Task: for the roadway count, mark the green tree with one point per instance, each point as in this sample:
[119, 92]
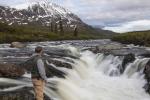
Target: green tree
[61, 26]
[51, 27]
[75, 33]
[56, 28]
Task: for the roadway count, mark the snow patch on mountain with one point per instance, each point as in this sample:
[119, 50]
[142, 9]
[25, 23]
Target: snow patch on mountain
[40, 13]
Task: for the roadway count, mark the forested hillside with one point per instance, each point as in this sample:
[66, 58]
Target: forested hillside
[137, 38]
[45, 22]
[30, 33]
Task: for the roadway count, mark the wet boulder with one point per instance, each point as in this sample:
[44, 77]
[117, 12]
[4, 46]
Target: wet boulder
[147, 70]
[61, 52]
[60, 63]
[54, 71]
[147, 76]
[129, 58]
[17, 45]
[138, 51]
[106, 48]
[11, 71]
[110, 47]
[22, 94]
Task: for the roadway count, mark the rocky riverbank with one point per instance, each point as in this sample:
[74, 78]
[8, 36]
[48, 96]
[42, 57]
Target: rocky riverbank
[23, 94]
[11, 60]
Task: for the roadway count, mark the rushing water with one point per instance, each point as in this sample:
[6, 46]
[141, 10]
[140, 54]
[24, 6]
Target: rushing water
[90, 80]
[93, 77]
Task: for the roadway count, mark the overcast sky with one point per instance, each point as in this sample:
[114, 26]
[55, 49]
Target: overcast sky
[115, 15]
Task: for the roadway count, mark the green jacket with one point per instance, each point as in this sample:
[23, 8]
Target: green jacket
[37, 66]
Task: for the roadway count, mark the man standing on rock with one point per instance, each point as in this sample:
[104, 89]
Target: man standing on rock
[39, 67]
[38, 73]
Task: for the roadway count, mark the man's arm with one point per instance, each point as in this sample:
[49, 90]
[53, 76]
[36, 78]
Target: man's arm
[41, 69]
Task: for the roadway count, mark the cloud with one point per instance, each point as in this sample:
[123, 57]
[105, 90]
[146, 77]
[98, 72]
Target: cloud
[20, 6]
[109, 11]
[100, 12]
[116, 15]
[131, 26]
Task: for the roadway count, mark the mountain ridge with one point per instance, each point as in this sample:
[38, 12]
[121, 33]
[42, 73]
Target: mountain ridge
[48, 18]
[40, 14]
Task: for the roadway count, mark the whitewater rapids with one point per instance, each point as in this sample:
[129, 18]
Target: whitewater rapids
[95, 77]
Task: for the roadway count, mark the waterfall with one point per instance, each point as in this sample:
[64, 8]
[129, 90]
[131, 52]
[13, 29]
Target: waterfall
[97, 77]
[94, 77]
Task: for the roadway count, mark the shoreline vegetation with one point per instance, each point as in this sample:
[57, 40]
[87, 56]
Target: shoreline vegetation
[28, 33]
[12, 33]
[141, 38]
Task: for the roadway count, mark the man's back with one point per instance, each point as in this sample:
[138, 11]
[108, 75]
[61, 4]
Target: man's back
[37, 69]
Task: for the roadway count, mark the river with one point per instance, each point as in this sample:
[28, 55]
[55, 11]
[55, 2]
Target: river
[94, 76]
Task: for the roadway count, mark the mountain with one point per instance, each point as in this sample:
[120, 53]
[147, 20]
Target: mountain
[50, 17]
[38, 14]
